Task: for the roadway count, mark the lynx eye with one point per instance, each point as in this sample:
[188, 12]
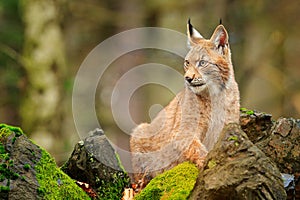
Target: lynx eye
[201, 63]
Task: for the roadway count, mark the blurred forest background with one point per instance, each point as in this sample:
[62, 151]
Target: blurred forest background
[43, 43]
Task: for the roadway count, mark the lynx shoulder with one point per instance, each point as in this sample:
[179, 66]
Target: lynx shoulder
[188, 127]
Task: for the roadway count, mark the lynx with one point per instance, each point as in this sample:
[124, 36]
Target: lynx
[188, 127]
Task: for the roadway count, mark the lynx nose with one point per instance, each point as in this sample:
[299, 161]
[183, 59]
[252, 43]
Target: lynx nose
[188, 79]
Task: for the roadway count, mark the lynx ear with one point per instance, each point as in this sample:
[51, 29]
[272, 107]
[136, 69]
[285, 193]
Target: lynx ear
[193, 34]
[220, 38]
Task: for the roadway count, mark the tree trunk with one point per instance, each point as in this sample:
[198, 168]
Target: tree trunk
[44, 62]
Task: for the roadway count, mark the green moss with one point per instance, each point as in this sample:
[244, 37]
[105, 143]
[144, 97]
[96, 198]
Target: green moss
[234, 138]
[248, 112]
[2, 177]
[176, 183]
[3, 155]
[2, 149]
[55, 184]
[11, 163]
[113, 189]
[4, 133]
[5, 162]
[6, 130]
[5, 172]
[211, 164]
[4, 188]
[119, 162]
[26, 167]
[243, 109]
[14, 139]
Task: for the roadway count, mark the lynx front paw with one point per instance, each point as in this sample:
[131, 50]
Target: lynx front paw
[196, 153]
[200, 162]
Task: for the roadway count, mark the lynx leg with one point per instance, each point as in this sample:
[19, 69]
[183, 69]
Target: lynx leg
[196, 153]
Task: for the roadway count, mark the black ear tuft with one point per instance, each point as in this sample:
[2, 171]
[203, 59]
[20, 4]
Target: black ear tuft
[193, 35]
[190, 26]
[220, 21]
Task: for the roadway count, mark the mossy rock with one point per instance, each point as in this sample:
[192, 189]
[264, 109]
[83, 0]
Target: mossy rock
[28, 172]
[94, 161]
[55, 184]
[176, 183]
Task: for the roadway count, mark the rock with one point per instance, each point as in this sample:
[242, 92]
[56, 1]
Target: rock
[237, 169]
[94, 161]
[28, 172]
[256, 125]
[279, 140]
[283, 145]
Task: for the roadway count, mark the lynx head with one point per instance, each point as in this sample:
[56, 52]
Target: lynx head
[208, 65]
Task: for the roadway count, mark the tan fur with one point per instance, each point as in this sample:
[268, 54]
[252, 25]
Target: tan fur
[187, 128]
